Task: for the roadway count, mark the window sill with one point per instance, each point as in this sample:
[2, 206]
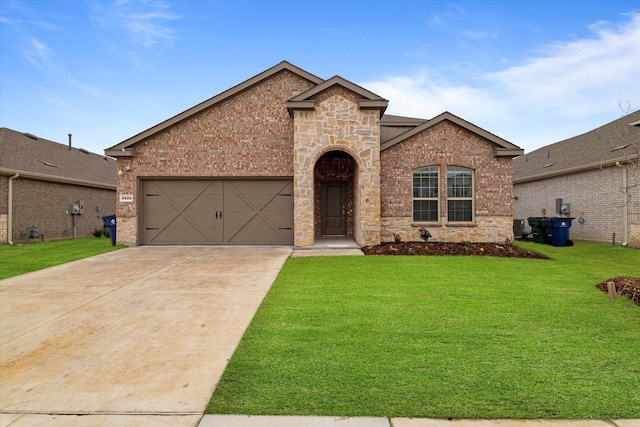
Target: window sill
[425, 224]
[461, 224]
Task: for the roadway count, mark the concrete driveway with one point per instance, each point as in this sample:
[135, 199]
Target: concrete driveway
[138, 336]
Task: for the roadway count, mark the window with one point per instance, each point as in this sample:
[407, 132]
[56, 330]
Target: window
[459, 194]
[425, 194]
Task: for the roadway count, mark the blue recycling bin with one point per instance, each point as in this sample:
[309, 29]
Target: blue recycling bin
[110, 222]
[558, 231]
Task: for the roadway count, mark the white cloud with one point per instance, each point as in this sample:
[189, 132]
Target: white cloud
[572, 87]
[38, 53]
[145, 21]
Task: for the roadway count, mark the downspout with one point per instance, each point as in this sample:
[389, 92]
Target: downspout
[10, 209]
[625, 206]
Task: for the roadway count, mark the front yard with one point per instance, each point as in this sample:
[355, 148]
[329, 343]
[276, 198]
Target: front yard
[446, 336]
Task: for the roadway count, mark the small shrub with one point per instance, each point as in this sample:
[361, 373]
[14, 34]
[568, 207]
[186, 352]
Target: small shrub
[424, 234]
[98, 232]
[397, 238]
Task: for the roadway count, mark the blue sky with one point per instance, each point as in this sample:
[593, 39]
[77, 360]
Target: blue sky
[532, 72]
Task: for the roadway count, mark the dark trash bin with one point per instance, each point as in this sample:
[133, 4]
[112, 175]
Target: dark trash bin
[536, 228]
[110, 222]
[559, 231]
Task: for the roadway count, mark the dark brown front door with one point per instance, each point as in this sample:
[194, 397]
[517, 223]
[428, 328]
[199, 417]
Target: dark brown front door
[334, 212]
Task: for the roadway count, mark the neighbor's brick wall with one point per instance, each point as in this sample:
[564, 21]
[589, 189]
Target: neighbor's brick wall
[44, 204]
[250, 134]
[4, 202]
[595, 195]
[446, 144]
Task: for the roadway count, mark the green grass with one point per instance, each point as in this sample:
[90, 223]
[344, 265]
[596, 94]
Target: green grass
[15, 260]
[463, 337]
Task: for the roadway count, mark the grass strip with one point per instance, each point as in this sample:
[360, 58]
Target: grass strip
[20, 259]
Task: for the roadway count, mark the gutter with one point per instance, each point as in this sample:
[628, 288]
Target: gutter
[53, 178]
[625, 206]
[10, 210]
[574, 169]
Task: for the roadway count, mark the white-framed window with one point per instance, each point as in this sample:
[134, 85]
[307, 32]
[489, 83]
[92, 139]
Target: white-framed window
[425, 194]
[459, 194]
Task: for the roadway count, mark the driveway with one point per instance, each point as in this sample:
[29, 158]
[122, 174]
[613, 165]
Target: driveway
[138, 336]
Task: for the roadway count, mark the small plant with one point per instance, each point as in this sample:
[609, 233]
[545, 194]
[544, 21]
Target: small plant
[397, 238]
[99, 232]
[424, 234]
[525, 234]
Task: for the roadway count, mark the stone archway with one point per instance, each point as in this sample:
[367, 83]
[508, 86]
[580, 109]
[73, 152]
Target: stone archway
[334, 194]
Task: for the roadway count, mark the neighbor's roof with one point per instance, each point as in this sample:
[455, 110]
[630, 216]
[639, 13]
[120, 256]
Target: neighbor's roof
[617, 141]
[38, 158]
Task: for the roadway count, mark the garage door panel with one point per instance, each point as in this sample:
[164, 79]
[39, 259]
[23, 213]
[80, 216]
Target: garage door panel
[257, 231]
[218, 212]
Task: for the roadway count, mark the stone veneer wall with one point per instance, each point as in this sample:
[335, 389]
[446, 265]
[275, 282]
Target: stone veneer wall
[337, 123]
[446, 144]
[249, 134]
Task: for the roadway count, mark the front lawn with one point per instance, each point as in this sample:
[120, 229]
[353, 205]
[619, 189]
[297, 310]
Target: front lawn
[447, 336]
[15, 260]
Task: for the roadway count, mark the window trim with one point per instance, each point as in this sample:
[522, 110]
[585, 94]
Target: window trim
[470, 198]
[432, 168]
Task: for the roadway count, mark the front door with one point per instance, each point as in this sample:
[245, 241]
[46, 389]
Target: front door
[334, 208]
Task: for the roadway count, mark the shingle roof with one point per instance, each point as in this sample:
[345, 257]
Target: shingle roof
[618, 140]
[36, 157]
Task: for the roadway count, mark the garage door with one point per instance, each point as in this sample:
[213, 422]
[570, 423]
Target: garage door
[206, 212]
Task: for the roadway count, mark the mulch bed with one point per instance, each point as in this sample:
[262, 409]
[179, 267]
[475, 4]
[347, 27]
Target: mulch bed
[446, 248]
[627, 286]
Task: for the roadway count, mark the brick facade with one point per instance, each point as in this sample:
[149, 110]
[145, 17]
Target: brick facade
[596, 196]
[446, 144]
[46, 205]
[250, 134]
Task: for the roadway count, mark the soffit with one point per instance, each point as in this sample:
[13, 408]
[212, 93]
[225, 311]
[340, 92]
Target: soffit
[367, 99]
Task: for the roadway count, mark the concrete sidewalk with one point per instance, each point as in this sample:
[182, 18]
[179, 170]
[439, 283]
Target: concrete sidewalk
[271, 421]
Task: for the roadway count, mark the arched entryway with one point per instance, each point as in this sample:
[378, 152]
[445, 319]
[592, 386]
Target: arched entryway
[334, 204]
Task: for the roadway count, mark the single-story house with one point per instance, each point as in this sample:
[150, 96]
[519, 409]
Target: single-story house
[286, 157]
[51, 191]
[593, 177]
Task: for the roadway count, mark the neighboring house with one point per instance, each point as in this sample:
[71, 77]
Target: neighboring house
[286, 157]
[594, 178]
[41, 180]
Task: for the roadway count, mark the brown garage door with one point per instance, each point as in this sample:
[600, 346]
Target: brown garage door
[205, 212]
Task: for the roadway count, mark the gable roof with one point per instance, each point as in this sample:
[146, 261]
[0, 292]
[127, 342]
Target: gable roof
[501, 147]
[123, 149]
[617, 141]
[39, 158]
[367, 100]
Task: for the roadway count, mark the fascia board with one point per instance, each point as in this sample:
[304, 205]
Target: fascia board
[58, 179]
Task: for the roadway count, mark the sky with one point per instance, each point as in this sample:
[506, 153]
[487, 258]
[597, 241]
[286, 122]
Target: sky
[532, 72]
